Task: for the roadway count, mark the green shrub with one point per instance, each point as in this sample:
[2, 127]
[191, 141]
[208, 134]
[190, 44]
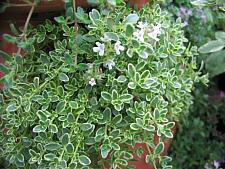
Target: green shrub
[117, 79]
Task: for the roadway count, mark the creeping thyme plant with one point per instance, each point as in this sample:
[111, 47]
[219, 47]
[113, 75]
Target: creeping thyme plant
[83, 96]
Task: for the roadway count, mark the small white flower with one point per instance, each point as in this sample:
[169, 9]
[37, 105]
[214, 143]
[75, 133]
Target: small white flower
[109, 64]
[92, 82]
[156, 30]
[118, 47]
[139, 35]
[207, 166]
[142, 25]
[100, 48]
[216, 164]
[153, 35]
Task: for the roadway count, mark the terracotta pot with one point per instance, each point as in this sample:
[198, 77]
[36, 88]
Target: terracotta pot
[44, 6]
[138, 3]
[140, 163]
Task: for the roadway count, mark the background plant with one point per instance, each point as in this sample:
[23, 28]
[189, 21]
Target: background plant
[202, 129]
[215, 61]
[206, 116]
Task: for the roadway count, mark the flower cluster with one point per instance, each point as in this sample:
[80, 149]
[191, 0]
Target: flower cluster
[153, 31]
[100, 49]
[185, 14]
[201, 15]
[215, 165]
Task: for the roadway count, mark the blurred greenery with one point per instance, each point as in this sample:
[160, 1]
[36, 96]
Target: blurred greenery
[198, 141]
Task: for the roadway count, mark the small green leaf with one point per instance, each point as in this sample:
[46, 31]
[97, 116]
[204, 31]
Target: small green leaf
[32, 153]
[70, 118]
[150, 81]
[63, 77]
[121, 79]
[149, 128]
[215, 63]
[68, 59]
[4, 69]
[156, 113]
[20, 157]
[82, 17]
[38, 129]
[65, 139]
[84, 160]
[115, 146]
[93, 101]
[85, 126]
[11, 108]
[9, 38]
[111, 36]
[52, 146]
[168, 134]
[166, 159]
[117, 119]
[13, 29]
[202, 2]
[114, 95]
[70, 148]
[107, 114]
[220, 35]
[129, 30]
[126, 98]
[134, 126]
[41, 38]
[94, 16]
[119, 107]
[170, 125]
[106, 96]
[60, 19]
[73, 104]
[49, 157]
[121, 162]
[131, 85]
[159, 148]
[145, 74]
[177, 85]
[105, 151]
[130, 53]
[143, 54]
[131, 70]
[5, 56]
[212, 46]
[139, 152]
[36, 82]
[60, 106]
[131, 19]
[42, 116]
[163, 55]
[53, 128]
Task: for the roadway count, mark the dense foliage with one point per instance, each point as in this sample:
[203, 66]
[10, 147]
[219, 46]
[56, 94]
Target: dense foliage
[117, 79]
